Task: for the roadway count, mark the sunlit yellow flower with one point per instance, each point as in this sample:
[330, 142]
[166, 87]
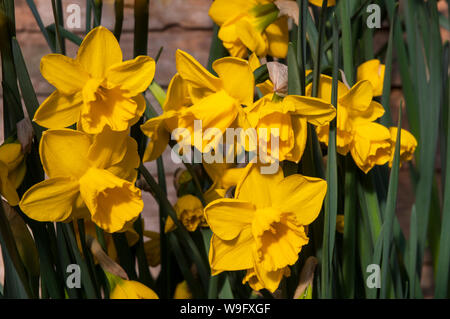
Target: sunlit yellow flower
[262, 229]
[408, 144]
[189, 211]
[216, 101]
[223, 176]
[288, 115]
[319, 3]
[130, 289]
[253, 25]
[97, 88]
[372, 71]
[12, 171]
[86, 175]
[182, 291]
[368, 141]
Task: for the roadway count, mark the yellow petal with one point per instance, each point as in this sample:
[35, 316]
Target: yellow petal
[59, 111]
[373, 112]
[300, 129]
[11, 155]
[300, 195]
[252, 38]
[372, 71]
[358, 98]
[182, 291]
[408, 144]
[170, 225]
[50, 200]
[315, 110]
[278, 38]
[371, 146]
[222, 10]
[228, 217]
[325, 85]
[112, 201]
[229, 35]
[127, 167]
[156, 130]
[253, 61]
[230, 255]
[193, 72]
[130, 289]
[108, 148]
[64, 152]
[7, 188]
[134, 76]
[237, 77]
[177, 95]
[251, 188]
[99, 51]
[64, 73]
[217, 111]
[17, 175]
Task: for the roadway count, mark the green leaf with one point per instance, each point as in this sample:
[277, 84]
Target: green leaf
[389, 214]
[16, 281]
[331, 199]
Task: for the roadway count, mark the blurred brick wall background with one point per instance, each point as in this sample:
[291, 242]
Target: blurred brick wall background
[175, 24]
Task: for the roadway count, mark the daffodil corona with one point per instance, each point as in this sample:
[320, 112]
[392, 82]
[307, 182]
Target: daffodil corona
[262, 229]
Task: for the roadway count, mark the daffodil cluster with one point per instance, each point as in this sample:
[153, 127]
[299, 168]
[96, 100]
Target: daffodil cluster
[91, 170]
[259, 221]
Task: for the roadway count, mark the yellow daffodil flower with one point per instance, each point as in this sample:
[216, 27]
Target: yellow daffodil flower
[372, 71]
[93, 176]
[129, 289]
[408, 144]
[216, 101]
[97, 88]
[253, 25]
[262, 229]
[182, 291]
[290, 116]
[357, 133]
[12, 171]
[189, 211]
[223, 176]
[319, 3]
